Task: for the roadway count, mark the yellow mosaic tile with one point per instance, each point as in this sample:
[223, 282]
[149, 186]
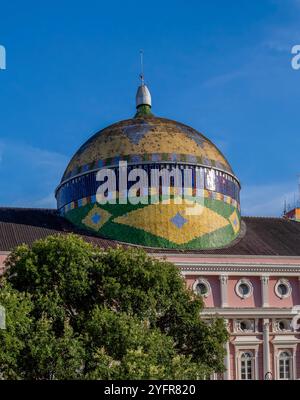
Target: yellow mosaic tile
[235, 222]
[162, 136]
[174, 222]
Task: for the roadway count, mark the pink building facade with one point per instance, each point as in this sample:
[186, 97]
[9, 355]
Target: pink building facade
[259, 298]
[253, 284]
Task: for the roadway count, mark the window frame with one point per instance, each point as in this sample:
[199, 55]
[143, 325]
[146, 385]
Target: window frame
[283, 281]
[288, 359]
[244, 281]
[252, 365]
[205, 282]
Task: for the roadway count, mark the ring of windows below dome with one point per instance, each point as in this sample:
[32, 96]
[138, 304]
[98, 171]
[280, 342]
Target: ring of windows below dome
[244, 288]
[202, 287]
[283, 288]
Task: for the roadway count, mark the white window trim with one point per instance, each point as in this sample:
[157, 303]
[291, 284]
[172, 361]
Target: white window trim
[246, 282]
[287, 284]
[246, 349]
[287, 323]
[250, 323]
[204, 282]
[289, 349]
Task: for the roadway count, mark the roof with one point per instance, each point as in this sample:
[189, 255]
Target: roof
[261, 236]
[25, 225]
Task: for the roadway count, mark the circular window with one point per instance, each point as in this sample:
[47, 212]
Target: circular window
[245, 325]
[244, 288]
[283, 288]
[202, 287]
[283, 325]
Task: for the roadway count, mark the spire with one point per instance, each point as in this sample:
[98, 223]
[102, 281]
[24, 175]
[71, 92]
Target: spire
[143, 96]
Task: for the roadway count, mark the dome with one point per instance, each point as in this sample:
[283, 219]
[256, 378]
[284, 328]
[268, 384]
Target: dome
[148, 142]
[146, 138]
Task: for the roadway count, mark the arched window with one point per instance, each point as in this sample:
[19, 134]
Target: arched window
[285, 365]
[246, 366]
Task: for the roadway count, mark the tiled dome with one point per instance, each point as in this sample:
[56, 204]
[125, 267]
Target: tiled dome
[148, 142]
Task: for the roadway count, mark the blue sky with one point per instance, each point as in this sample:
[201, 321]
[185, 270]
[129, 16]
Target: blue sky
[221, 66]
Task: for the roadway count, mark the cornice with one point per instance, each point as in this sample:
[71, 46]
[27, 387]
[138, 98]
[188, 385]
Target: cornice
[237, 268]
[257, 312]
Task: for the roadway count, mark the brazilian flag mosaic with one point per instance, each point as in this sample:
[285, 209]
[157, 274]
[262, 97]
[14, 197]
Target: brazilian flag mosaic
[206, 225]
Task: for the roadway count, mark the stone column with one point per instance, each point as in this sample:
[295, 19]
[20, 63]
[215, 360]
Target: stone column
[227, 355]
[294, 364]
[265, 290]
[266, 338]
[223, 284]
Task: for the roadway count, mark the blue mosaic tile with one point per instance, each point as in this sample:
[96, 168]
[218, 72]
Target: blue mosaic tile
[135, 133]
[156, 157]
[178, 220]
[136, 158]
[96, 218]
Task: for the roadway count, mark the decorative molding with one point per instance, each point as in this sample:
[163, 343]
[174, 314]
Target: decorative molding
[265, 290]
[239, 350]
[238, 269]
[224, 290]
[266, 324]
[249, 323]
[264, 279]
[223, 279]
[291, 349]
[256, 312]
[286, 322]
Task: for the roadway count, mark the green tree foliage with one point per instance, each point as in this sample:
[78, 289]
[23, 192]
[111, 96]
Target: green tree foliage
[75, 311]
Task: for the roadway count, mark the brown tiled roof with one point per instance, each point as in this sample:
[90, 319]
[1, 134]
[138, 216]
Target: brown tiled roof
[262, 235]
[25, 225]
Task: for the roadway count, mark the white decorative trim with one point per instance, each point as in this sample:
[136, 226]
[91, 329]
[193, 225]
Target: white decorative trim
[286, 322]
[246, 349]
[224, 290]
[227, 374]
[204, 282]
[287, 348]
[223, 279]
[237, 269]
[266, 347]
[244, 281]
[256, 324]
[244, 312]
[250, 325]
[265, 290]
[285, 282]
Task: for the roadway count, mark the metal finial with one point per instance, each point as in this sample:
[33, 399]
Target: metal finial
[142, 67]
[143, 96]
